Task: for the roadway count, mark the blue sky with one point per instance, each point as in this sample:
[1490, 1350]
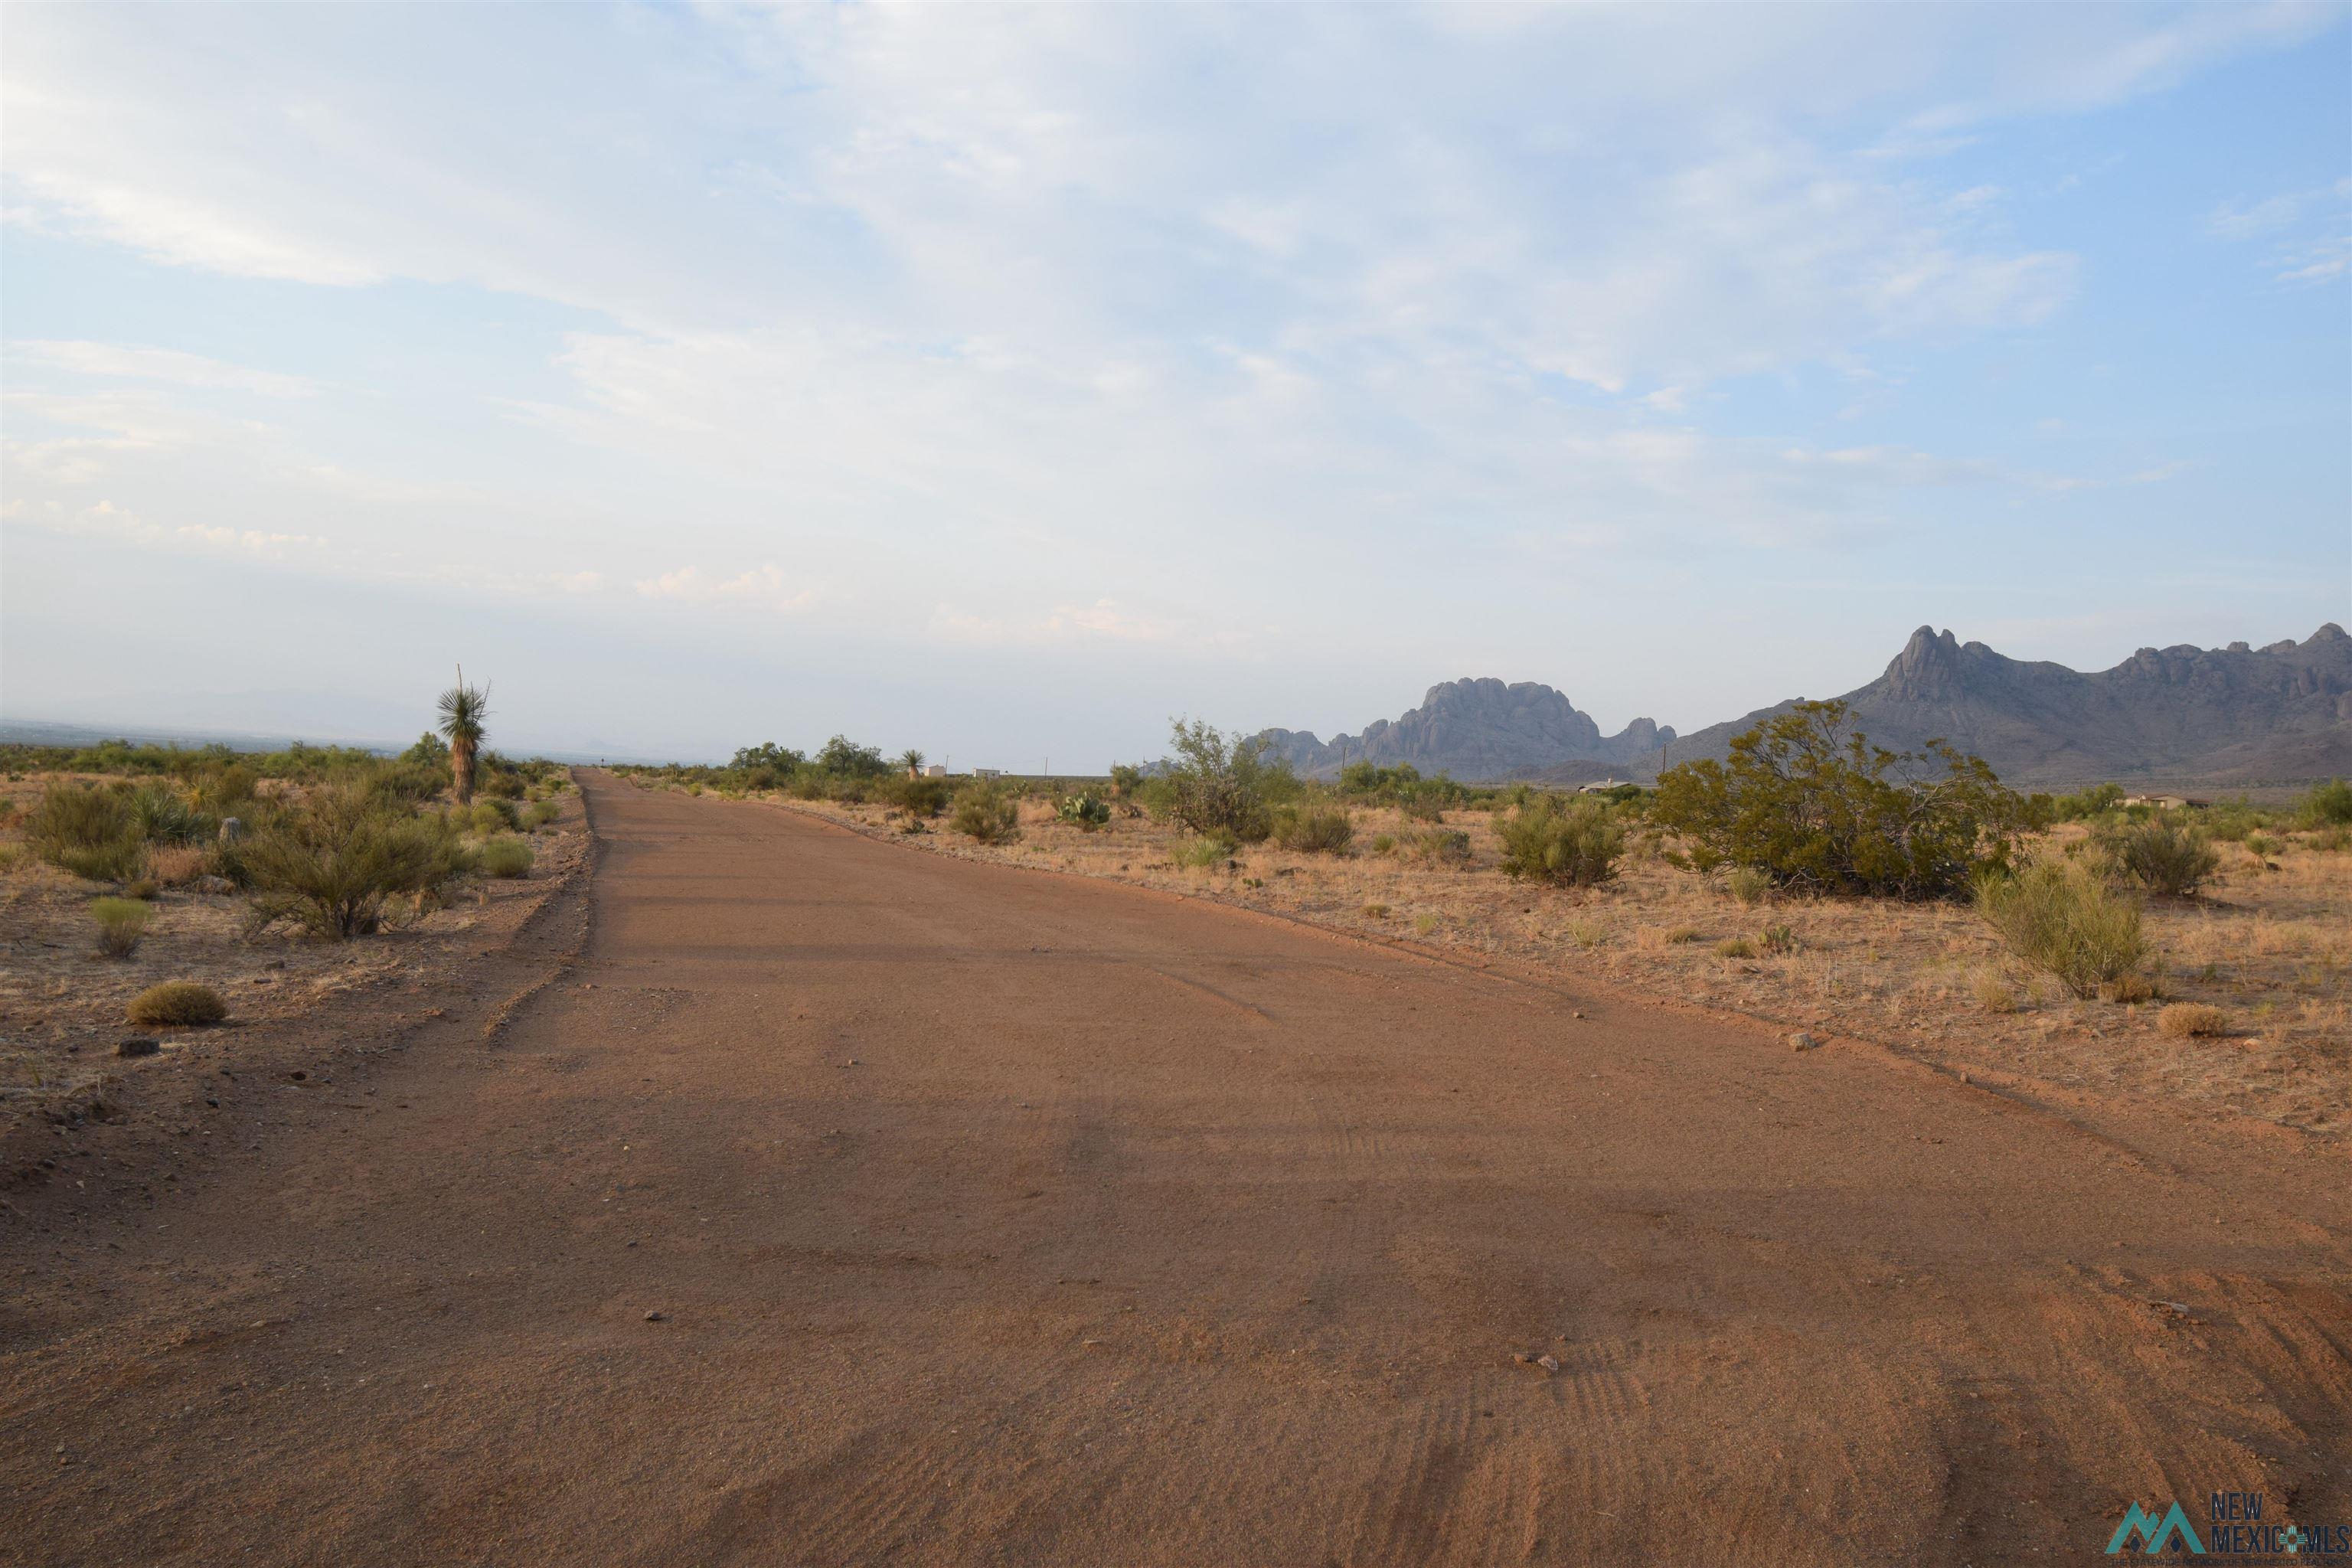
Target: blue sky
[1003, 381]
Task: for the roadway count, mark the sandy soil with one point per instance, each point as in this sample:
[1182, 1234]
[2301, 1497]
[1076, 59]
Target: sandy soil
[790, 1198]
[2270, 944]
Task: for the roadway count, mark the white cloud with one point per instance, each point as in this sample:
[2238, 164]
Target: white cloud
[761, 588]
[136, 363]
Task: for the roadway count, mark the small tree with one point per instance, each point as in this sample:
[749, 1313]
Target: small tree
[1220, 783]
[1809, 800]
[463, 708]
[844, 758]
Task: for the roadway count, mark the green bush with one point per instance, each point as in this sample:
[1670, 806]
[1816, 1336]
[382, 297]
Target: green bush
[1749, 884]
[1807, 799]
[2064, 921]
[224, 789]
[2160, 855]
[176, 1001]
[121, 922]
[1222, 784]
[1086, 809]
[2084, 805]
[90, 832]
[2329, 805]
[505, 859]
[987, 813]
[1575, 844]
[541, 813]
[330, 865]
[493, 813]
[1314, 830]
[919, 797]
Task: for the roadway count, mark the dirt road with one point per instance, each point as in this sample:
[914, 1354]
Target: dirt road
[994, 1217]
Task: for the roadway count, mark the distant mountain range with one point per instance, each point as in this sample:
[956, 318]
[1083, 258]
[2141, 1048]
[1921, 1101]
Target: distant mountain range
[2186, 716]
[2236, 715]
[1481, 730]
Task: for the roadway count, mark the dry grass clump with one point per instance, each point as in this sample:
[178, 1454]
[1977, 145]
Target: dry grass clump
[1750, 885]
[177, 865]
[121, 922]
[2183, 1020]
[176, 1001]
[1995, 995]
[2128, 988]
[2160, 856]
[1316, 830]
[2060, 920]
[1736, 947]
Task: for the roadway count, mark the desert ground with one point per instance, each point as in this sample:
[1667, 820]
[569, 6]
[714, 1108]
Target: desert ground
[754, 1190]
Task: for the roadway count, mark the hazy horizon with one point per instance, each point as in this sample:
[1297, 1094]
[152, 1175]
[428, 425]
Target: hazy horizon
[1001, 383]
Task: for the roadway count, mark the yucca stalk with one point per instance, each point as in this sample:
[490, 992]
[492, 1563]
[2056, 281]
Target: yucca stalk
[463, 708]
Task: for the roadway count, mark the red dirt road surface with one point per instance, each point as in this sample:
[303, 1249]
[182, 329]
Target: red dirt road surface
[835, 1204]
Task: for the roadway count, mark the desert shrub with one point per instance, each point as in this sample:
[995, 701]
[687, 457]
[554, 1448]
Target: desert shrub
[843, 758]
[987, 813]
[1680, 936]
[2128, 988]
[1779, 940]
[1209, 849]
[919, 797]
[1222, 784]
[493, 813]
[1126, 780]
[330, 866]
[2261, 844]
[541, 813]
[2065, 921]
[1736, 947]
[1422, 805]
[121, 922]
[90, 832]
[1749, 884]
[2183, 1019]
[505, 859]
[2159, 855]
[411, 784]
[1314, 830]
[1807, 799]
[176, 1001]
[2329, 805]
[1086, 809]
[1439, 846]
[1575, 845]
[1385, 843]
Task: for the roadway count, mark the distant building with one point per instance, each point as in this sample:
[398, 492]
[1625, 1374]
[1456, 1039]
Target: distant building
[2165, 802]
[1603, 787]
[935, 769]
[988, 772]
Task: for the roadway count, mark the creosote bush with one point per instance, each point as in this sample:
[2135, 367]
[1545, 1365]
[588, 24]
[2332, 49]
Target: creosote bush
[330, 865]
[987, 813]
[505, 859]
[1314, 830]
[90, 832]
[2329, 805]
[2063, 920]
[1575, 844]
[176, 1001]
[921, 798]
[1221, 783]
[121, 922]
[1809, 800]
[2160, 855]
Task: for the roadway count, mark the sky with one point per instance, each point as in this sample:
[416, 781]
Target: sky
[1003, 381]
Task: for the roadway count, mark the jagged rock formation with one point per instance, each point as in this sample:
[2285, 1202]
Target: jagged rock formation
[1480, 730]
[2238, 715]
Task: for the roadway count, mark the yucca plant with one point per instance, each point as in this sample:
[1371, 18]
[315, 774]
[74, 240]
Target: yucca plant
[463, 708]
[912, 761]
